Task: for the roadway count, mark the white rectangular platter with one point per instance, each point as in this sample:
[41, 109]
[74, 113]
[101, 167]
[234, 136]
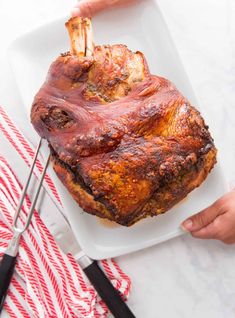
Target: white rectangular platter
[142, 27]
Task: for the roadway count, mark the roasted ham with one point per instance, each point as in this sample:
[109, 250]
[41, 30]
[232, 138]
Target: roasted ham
[124, 142]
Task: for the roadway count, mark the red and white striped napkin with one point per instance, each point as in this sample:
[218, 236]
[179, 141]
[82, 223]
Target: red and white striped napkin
[46, 283]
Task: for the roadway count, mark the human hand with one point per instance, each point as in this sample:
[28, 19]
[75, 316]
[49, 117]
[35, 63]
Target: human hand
[88, 8]
[215, 222]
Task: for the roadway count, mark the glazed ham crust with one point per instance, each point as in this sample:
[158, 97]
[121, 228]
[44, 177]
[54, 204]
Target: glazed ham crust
[125, 143]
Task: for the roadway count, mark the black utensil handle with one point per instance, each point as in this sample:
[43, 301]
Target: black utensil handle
[6, 271]
[107, 292]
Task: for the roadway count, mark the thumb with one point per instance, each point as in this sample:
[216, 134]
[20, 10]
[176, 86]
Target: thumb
[202, 219]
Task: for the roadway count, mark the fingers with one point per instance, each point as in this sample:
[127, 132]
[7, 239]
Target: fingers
[215, 222]
[203, 218]
[210, 231]
[88, 8]
[222, 228]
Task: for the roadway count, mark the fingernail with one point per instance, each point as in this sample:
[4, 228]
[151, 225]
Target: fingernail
[75, 12]
[187, 225]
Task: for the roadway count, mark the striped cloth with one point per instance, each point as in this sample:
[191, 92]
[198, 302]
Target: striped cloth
[46, 283]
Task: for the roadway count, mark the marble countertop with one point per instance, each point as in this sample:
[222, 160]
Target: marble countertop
[182, 277]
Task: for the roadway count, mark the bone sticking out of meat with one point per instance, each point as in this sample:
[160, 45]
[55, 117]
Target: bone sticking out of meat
[81, 37]
[126, 144]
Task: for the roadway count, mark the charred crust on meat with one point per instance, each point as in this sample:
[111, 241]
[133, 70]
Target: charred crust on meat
[56, 118]
[65, 54]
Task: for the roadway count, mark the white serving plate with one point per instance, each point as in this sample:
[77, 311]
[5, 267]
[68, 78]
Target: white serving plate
[141, 27]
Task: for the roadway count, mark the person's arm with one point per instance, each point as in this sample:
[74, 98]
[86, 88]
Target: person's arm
[215, 222]
[88, 8]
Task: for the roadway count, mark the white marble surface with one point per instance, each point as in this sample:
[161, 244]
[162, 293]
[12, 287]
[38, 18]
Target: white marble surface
[183, 277]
